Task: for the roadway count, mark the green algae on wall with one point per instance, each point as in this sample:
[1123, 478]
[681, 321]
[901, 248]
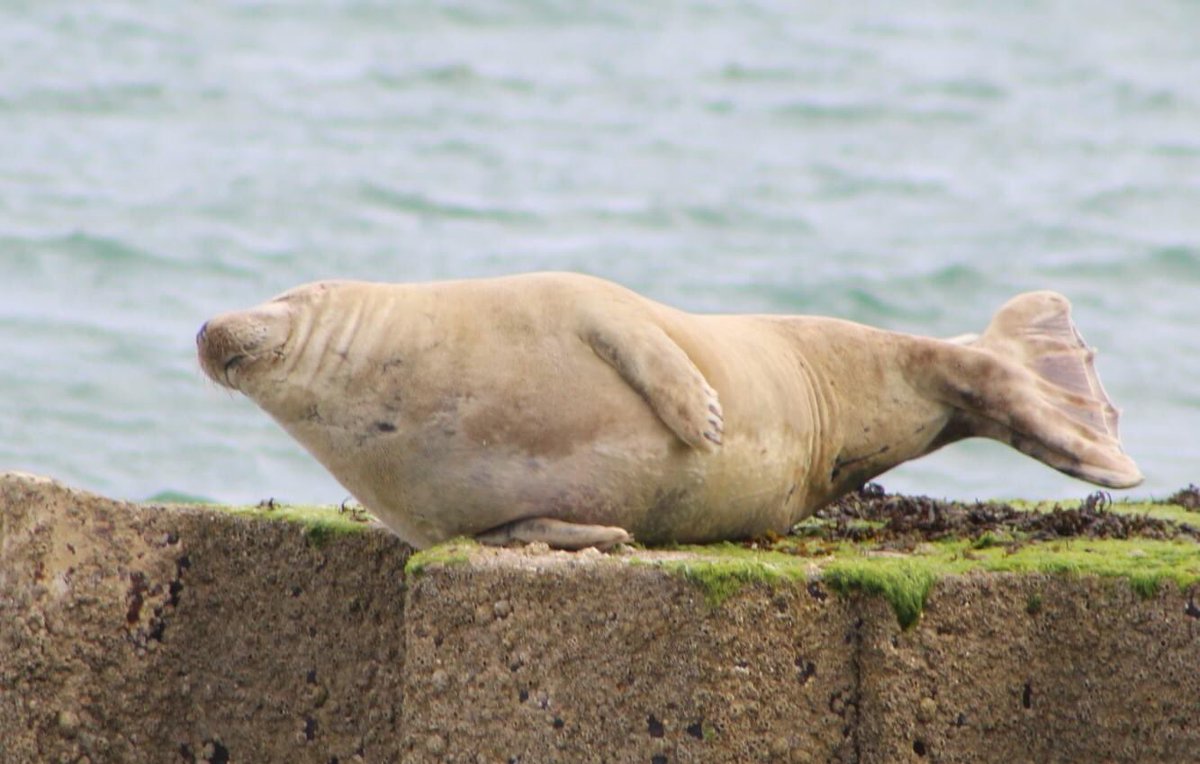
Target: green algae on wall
[321, 524]
[722, 570]
[904, 583]
[906, 579]
[903, 579]
[456, 551]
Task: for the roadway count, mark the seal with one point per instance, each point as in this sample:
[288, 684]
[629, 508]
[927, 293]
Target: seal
[567, 409]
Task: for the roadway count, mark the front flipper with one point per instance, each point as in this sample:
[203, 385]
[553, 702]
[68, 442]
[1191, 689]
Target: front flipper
[555, 533]
[661, 372]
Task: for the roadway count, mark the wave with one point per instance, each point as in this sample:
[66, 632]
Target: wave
[456, 76]
[860, 115]
[115, 98]
[1170, 263]
[426, 206]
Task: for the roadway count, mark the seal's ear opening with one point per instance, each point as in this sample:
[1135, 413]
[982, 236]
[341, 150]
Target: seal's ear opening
[229, 343]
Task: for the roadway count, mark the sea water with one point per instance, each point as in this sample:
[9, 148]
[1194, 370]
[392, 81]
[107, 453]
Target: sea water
[910, 166]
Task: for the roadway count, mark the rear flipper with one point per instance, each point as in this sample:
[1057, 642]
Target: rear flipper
[556, 533]
[1035, 387]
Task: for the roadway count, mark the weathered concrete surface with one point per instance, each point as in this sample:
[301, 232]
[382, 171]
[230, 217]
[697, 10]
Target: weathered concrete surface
[129, 633]
[553, 657]
[1034, 668]
[133, 633]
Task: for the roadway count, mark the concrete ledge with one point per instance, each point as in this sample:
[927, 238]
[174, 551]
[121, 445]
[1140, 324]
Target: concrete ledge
[134, 633]
[1034, 668]
[553, 657]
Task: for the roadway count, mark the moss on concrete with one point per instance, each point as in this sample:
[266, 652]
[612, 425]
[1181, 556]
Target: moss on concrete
[722, 570]
[904, 583]
[321, 524]
[1144, 563]
[905, 579]
[456, 551]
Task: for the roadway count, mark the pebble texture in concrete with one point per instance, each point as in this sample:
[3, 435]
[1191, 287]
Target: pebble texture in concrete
[134, 633]
[137, 633]
[592, 659]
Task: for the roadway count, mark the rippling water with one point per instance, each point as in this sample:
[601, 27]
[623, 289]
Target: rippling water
[910, 167]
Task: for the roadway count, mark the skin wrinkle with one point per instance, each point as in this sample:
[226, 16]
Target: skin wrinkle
[299, 337]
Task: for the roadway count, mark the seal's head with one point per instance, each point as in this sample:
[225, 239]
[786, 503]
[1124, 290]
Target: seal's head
[242, 342]
[276, 353]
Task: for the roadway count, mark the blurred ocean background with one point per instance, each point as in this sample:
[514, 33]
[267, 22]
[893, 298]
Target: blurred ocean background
[906, 165]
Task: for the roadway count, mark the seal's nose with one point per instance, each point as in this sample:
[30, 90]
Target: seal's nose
[242, 339]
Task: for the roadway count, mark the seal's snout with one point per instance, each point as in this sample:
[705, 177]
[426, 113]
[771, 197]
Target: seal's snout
[232, 343]
[219, 343]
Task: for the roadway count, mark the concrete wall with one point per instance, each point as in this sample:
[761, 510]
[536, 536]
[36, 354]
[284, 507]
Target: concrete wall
[132, 633]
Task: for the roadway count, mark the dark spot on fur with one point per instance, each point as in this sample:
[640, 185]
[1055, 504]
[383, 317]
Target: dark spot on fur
[385, 427]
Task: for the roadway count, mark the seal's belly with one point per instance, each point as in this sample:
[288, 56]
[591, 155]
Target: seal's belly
[658, 495]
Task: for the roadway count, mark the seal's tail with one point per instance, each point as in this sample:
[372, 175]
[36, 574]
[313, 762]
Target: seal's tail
[1056, 410]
